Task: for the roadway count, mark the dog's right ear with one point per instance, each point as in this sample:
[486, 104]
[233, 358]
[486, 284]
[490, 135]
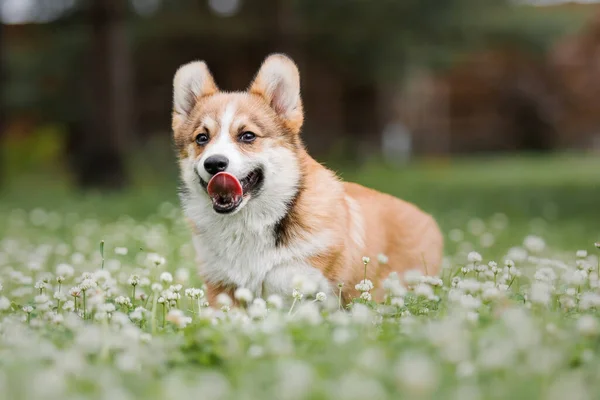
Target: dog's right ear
[192, 81]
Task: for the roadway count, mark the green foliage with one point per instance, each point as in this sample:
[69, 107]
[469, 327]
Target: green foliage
[460, 341]
[380, 38]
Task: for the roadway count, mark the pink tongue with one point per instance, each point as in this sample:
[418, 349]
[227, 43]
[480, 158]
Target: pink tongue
[225, 186]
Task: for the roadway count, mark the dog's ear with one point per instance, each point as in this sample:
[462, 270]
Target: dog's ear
[278, 82]
[192, 81]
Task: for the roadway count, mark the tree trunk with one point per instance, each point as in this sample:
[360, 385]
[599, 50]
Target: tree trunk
[3, 113]
[362, 119]
[101, 144]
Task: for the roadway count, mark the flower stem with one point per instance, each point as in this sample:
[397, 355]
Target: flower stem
[84, 304]
[154, 304]
[292, 307]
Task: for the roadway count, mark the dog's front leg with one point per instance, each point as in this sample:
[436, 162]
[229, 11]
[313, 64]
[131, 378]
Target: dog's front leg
[284, 278]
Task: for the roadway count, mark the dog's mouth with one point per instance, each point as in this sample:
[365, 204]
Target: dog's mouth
[227, 192]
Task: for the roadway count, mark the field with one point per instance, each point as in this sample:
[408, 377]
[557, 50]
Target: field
[99, 298]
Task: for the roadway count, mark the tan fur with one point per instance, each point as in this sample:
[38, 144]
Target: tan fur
[363, 222]
[409, 237]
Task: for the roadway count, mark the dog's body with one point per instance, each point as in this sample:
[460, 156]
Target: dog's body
[295, 216]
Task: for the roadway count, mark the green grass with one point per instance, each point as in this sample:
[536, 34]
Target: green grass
[512, 335]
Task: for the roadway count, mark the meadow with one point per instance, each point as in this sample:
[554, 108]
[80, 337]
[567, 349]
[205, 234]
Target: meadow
[99, 297]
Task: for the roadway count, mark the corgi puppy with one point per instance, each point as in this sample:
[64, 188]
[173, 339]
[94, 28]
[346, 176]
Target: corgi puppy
[263, 212]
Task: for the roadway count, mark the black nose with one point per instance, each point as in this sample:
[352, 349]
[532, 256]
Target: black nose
[215, 164]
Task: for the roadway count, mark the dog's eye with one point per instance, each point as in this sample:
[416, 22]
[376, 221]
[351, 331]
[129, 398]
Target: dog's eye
[247, 137]
[202, 139]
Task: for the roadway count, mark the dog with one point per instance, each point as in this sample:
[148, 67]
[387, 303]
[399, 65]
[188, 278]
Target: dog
[263, 211]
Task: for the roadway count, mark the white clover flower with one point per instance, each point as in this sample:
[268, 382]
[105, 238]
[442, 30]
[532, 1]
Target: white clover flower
[589, 300]
[28, 309]
[567, 302]
[308, 313]
[182, 275]
[194, 293]
[597, 244]
[474, 257]
[364, 286]
[397, 301]
[243, 294]
[4, 303]
[491, 294]
[171, 295]
[587, 325]
[60, 296]
[69, 305]
[137, 314]
[60, 279]
[121, 251]
[469, 302]
[166, 277]
[304, 284]
[123, 301]
[366, 260]
[156, 287]
[87, 284]
[258, 309]
[382, 258]
[57, 319]
[394, 287]
[540, 293]
[275, 301]
[321, 296]
[297, 295]
[412, 277]
[176, 288]
[534, 244]
[469, 286]
[75, 291]
[178, 318]
[144, 281]
[161, 300]
[417, 373]
[223, 299]
[581, 254]
[574, 277]
[65, 270]
[424, 290]
[155, 260]
[433, 281]
[39, 285]
[365, 296]
[465, 369]
[545, 274]
[509, 263]
[514, 271]
[133, 280]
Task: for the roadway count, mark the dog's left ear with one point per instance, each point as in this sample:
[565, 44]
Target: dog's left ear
[278, 82]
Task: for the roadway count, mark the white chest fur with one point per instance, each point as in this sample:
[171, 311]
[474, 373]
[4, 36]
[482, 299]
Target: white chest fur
[235, 254]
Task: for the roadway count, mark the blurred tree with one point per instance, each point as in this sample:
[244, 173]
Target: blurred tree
[372, 43]
[99, 144]
[2, 101]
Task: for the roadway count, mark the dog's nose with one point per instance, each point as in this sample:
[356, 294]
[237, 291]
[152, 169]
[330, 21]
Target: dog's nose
[215, 164]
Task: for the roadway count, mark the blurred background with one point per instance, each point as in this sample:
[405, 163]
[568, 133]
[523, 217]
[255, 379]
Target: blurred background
[406, 96]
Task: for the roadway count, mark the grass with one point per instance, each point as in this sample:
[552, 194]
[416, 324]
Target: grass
[482, 331]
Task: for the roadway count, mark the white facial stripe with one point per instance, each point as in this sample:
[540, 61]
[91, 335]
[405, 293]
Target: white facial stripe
[210, 123]
[222, 144]
[227, 118]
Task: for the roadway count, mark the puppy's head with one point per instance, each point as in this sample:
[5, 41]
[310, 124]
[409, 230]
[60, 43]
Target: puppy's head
[239, 150]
